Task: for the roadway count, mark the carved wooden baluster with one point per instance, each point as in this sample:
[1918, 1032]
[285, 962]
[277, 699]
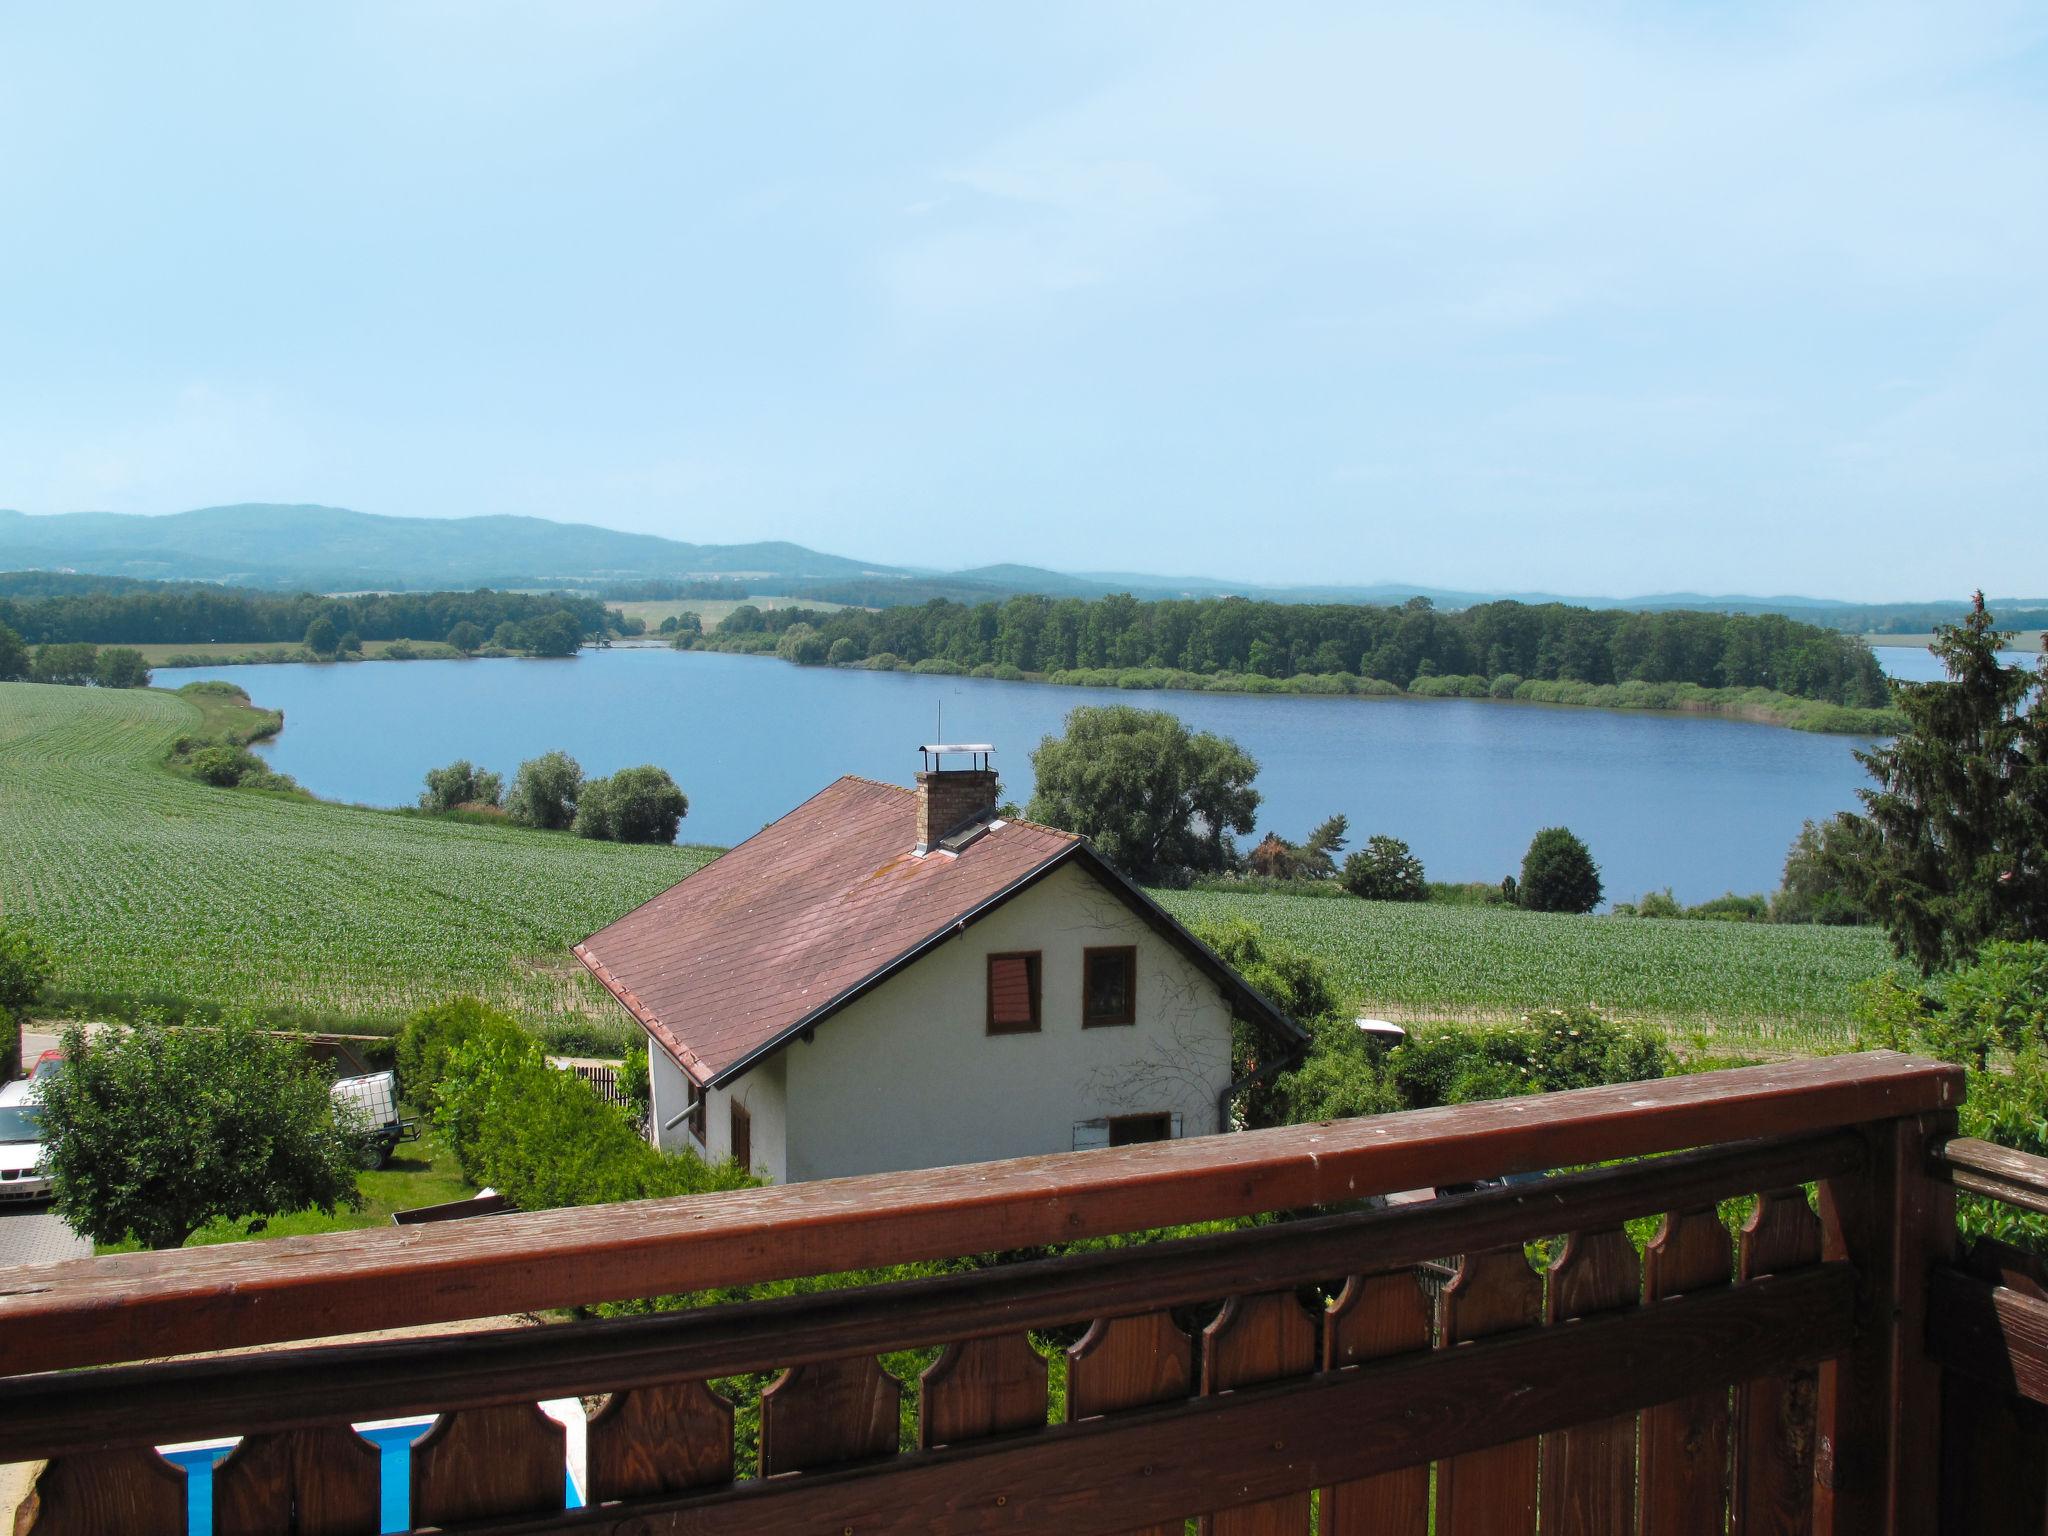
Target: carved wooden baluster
[981, 1387]
[1127, 1362]
[1774, 1417]
[1589, 1470]
[660, 1439]
[308, 1482]
[133, 1491]
[476, 1463]
[1490, 1492]
[829, 1412]
[1266, 1337]
[1376, 1316]
[1685, 1444]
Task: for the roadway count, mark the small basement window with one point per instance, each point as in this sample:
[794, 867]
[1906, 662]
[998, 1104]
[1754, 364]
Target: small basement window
[1109, 986]
[1125, 1130]
[1013, 993]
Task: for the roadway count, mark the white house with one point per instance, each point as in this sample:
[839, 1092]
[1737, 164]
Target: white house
[889, 978]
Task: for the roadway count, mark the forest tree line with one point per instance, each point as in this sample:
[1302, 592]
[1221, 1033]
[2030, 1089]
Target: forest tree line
[1548, 641]
[165, 614]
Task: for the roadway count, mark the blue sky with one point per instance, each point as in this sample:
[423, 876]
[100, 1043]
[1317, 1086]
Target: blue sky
[1593, 298]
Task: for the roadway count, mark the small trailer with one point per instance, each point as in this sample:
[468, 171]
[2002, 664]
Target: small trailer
[372, 1100]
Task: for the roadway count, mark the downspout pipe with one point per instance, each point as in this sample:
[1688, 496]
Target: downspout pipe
[1272, 1068]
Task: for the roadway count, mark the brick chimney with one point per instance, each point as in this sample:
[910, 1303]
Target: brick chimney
[953, 800]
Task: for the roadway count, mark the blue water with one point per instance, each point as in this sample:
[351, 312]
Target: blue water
[394, 1444]
[1701, 805]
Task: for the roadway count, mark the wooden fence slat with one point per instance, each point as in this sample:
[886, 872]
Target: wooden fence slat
[1589, 1470]
[135, 1492]
[481, 1462]
[308, 1482]
[981, 1387]
[1994, 1462]
[1490, 1492]
[661, 1439]
[827, 1413]
[1130, 1362]
[1373, 1317]
[1774, 1416]
[1684, 1486]
[1268, 1336]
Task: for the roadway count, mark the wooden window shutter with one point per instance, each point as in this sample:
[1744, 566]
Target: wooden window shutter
[742, 1135]
[1012, 993]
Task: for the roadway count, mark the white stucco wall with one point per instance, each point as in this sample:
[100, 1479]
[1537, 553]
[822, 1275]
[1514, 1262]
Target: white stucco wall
[760, 1092]
[909, 1077]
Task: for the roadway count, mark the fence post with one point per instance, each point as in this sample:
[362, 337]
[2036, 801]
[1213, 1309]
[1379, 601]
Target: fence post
[1877, 1466]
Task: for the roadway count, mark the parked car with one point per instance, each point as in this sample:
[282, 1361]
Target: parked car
[373, 1100]
[22, 1175]
[46, 1064]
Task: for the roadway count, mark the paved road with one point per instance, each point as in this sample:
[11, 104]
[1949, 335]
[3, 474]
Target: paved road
[29, 1234]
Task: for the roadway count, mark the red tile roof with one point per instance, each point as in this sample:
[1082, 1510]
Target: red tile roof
[724, 964]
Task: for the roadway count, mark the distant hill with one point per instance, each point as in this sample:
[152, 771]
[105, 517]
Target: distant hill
[333, 549]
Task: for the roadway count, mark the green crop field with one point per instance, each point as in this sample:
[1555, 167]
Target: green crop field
[147, 884]
[1754, 986]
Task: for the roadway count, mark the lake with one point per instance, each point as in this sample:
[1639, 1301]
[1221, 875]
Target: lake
[1699, 804]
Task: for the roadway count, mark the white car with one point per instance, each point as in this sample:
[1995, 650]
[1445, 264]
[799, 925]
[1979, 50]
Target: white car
[22, 1176]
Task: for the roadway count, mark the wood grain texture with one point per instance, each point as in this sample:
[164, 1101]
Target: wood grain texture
[134, 1492]
[1145, 1466]
[1992, 1334]
[283, 1389]
[1994, 1462]
[485, 1462]
[1589, 1470]
[301, 1482]
[1377, 1317]
[1490, 1492]
[85, 1312]
[1685, 1444]
[829, 1413]
[981, 1387]
[1877, 1454]
[660, 1439]
[1985, 1168]
[1264, 1337]
[1130, 1362]
[1774, 1415]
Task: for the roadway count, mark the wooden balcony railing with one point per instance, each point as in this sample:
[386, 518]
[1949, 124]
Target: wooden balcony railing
[1294, 1376]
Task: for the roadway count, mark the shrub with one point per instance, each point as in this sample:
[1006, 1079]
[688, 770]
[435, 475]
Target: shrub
[1385, 870]
[460, 783]
[322, 638]
[397, 650]
[225, 767]
[845, 650]
[634, 805]
[1659, 904]
[1504, 686]
[1558, 874]
[544, 792]
[121, 667]
[24, 968]
[635, 1081]
[430, 1036]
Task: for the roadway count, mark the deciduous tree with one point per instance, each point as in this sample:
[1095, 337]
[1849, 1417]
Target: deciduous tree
[1558, 874]
[151, 1133]
[1157, 800]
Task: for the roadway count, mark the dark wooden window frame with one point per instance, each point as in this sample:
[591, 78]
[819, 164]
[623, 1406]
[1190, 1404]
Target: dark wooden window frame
[1130, 1009]
[1163, 1119]
[742, 1135]
[698, 1097]
[1035, 968]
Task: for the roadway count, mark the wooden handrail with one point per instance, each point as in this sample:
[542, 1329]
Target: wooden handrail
[107, 1310]
[1999, 1173]
[71, 1412]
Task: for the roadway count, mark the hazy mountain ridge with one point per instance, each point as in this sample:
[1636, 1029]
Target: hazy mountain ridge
[321, 548]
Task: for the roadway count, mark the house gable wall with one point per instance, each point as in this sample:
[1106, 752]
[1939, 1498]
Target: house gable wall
[908, 1076]
[760, 1091]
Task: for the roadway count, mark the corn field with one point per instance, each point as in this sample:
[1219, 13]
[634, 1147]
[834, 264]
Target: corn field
[146, 884]
[1742, 986]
